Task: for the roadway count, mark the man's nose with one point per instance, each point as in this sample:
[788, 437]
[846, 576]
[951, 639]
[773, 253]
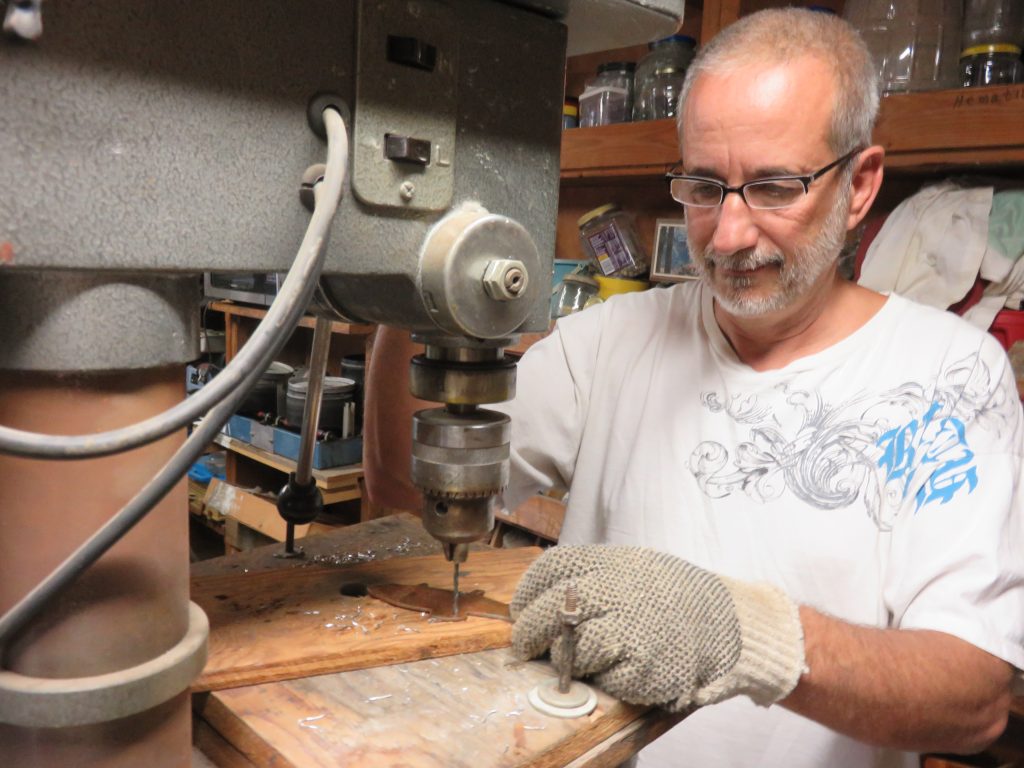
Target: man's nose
[735, 229]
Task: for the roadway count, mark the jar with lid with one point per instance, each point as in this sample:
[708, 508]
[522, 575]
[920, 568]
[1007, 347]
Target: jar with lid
[915, 43]
[577, 292]
[992, 35]
[570, 113]
[608, 98]
[659, 77]
[998, 64]
[608, 237]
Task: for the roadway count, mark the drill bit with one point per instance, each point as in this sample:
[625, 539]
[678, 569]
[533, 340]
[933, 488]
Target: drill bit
[455, 590]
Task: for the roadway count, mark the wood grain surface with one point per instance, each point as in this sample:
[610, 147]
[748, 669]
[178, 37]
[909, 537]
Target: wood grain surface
[468, 711]
[280, 625]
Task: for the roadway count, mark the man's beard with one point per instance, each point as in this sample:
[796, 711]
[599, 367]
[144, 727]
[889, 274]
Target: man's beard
[795, 277]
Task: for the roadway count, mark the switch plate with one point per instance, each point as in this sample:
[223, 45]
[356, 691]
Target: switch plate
[405, 101]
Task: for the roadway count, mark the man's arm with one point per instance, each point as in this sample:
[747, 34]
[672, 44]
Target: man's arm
[917, 690]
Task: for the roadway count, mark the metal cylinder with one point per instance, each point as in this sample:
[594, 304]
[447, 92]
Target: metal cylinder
[90, 353]
[460, 462]
[132, 605]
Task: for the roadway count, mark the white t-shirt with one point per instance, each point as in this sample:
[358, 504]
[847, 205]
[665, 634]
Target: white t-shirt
[876, 480]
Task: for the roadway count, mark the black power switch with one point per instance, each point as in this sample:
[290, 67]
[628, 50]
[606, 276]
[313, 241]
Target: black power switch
[411, 52]
[405, 149]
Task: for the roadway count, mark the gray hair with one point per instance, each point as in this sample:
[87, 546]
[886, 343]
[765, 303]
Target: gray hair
[776, 36]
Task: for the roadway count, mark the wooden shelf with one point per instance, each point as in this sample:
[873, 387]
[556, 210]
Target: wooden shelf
[337, 484]
[937, 130]
[258, 313]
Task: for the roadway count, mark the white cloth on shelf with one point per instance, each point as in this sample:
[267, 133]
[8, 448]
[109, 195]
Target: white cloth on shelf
[1002, 264]
[931, 246]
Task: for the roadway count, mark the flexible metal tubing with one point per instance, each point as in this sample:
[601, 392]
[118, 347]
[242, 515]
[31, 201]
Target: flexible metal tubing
[272, 329]
[304, 276]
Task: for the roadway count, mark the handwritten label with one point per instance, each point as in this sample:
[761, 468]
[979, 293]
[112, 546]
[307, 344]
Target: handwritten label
[988, 98]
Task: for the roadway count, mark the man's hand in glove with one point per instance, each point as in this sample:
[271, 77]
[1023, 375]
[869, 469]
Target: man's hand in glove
[655, 629]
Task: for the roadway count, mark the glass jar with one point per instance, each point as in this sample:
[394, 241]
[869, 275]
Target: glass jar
[659, 77]
[570, 113]
[575, 294]
[998, 64]
[915, 43]
[992, 22]
[608, 98]
[609, 239]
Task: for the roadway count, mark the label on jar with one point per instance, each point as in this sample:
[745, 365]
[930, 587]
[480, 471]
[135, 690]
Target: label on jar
[610, 249]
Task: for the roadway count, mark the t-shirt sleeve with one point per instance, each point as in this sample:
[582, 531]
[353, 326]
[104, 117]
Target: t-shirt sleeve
[956, 558]
[549, 410]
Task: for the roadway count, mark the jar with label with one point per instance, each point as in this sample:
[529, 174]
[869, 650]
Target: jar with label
[608, 98]
[609, 238]
[659, 77]
[576, 293]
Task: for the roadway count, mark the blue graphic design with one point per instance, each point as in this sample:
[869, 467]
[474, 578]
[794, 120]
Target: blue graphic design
[934, 446]
[876, 449]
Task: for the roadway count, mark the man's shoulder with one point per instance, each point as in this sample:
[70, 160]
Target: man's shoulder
[921, 327]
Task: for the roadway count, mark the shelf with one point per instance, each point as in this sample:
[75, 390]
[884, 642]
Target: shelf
[937, 130]
[258, 313]
[337, 484]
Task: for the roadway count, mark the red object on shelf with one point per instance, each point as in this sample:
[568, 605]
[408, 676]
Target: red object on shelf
[1008, 327]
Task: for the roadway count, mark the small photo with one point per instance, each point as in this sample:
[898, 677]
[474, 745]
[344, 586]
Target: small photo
[671, 254]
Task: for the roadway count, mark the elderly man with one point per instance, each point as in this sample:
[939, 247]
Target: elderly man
[798, 499]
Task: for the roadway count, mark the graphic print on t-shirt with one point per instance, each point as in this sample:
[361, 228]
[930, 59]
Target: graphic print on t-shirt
[878, 448]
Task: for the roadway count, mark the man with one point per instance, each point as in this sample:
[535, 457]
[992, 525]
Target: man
[818, 484]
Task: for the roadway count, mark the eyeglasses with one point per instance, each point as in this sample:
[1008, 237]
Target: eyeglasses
[762, 194]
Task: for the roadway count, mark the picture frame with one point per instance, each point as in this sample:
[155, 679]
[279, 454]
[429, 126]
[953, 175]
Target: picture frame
[671, 262]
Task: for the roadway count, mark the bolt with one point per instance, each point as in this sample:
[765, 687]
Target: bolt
[505, 279]
[570, 618]
[407, 190]
[514, 281]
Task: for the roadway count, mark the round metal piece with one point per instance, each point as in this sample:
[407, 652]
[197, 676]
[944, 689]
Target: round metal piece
[505, 279]
[84, 322]
[40, 702]
[462, 383]
[458, 521]
[580, 700]
[453, 262]
[478, 429]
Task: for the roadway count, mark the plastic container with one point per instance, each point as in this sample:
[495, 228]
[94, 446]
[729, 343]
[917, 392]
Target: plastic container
[991, 22]
[915, 43]
[613, 286]
[609, 239]
[570, 114]
[608, 98]
[576, 292]
[997, 64]
[659, 76]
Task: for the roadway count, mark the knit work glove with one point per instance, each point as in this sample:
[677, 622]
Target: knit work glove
[657, 630]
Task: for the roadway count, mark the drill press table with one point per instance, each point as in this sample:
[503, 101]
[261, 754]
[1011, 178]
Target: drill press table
[468, 709]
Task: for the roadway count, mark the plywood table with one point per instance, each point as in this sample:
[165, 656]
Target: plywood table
[433, 706]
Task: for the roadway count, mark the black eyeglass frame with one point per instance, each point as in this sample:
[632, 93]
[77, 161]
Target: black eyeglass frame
[740, 190]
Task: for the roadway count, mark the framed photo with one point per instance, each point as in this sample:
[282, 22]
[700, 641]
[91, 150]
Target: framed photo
[671, 261]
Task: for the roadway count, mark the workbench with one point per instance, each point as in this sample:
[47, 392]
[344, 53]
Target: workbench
[432, 710]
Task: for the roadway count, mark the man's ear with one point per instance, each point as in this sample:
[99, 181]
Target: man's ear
[867, 180]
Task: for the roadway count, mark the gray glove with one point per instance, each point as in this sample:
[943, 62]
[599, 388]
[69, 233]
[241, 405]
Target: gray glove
[655, 629]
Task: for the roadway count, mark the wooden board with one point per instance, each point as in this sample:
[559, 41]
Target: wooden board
[287, 624]
[468, 711]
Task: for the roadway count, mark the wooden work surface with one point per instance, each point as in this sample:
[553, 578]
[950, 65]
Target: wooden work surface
[278, 625]
[467, 711]
[461, 710]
